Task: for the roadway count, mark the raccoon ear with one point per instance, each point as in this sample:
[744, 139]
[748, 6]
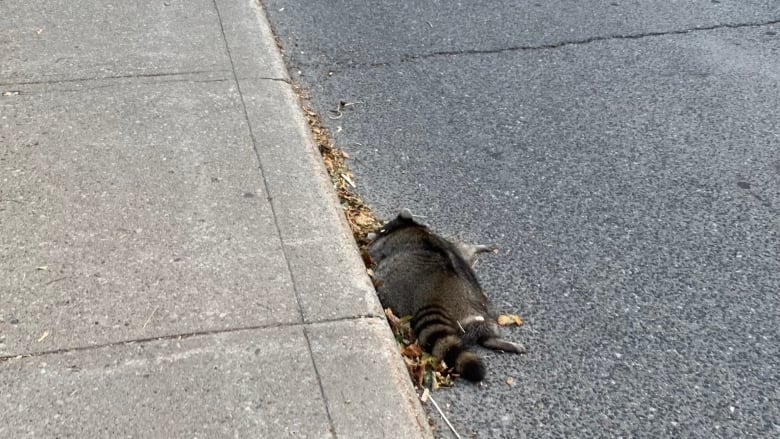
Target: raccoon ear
[406, 214]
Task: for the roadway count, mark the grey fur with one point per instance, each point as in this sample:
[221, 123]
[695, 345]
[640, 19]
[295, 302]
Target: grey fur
[417, 270]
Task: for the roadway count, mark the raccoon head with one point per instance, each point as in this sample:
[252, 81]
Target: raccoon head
[404, 219]
[393, 234]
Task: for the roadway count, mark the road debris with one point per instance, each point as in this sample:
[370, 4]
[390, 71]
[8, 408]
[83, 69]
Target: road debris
[509, 320]
[359, 216]
[447, 421]
[338, 113]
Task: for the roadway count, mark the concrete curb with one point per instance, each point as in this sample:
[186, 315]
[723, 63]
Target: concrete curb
[175, 262]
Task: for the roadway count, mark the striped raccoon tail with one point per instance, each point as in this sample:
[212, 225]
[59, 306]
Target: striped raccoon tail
[438, 335]
[467, 364]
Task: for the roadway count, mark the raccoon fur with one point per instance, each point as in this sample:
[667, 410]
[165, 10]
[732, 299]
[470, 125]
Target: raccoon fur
[421, 274]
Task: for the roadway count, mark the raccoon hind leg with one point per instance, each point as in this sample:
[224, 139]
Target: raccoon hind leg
[499, 344]
[470, 252]
[489, 336]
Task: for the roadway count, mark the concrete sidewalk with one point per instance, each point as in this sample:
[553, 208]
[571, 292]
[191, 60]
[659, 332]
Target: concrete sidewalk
[173, 262]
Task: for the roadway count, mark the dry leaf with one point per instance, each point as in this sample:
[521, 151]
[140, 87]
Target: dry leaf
[416, 371]
[510, 381]
[413, 351]
[394, 321]
[45, 334]
[510, 319]
[363, 219]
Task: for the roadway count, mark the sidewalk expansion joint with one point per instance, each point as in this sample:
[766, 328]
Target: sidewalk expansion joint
[324, 395]
[268, 78]
[184, 335]
[118, 84]
[274, 213]
[129, 76]
[261, 168]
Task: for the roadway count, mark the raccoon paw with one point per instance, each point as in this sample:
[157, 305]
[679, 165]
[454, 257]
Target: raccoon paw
[499, 344]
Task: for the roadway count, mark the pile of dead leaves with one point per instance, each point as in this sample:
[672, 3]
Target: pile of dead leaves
[425, 369]
[359, 216]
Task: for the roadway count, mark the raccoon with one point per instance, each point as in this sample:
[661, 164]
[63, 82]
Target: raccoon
[421, 274]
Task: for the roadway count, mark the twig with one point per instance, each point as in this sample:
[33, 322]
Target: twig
[45, 334]
[150, 316]
[339, 109]
[55, 280]
[348, 180]
[444, 417]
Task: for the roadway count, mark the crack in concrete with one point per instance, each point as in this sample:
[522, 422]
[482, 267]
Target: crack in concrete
[560, 44]
[113, 85]
[97, 87]
[184, 335]
[267, 78]
[108, 78]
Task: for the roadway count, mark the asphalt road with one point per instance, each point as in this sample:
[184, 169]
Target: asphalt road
[624, 155]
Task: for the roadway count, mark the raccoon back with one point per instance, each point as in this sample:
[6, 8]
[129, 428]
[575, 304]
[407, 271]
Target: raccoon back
[420, 274]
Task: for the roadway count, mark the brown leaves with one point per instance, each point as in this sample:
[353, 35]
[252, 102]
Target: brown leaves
[412, 351]
[400, 327]
[359, 216]
[425, 369]
[364, 219]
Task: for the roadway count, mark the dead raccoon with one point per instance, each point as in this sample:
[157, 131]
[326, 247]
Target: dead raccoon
[421, 274]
